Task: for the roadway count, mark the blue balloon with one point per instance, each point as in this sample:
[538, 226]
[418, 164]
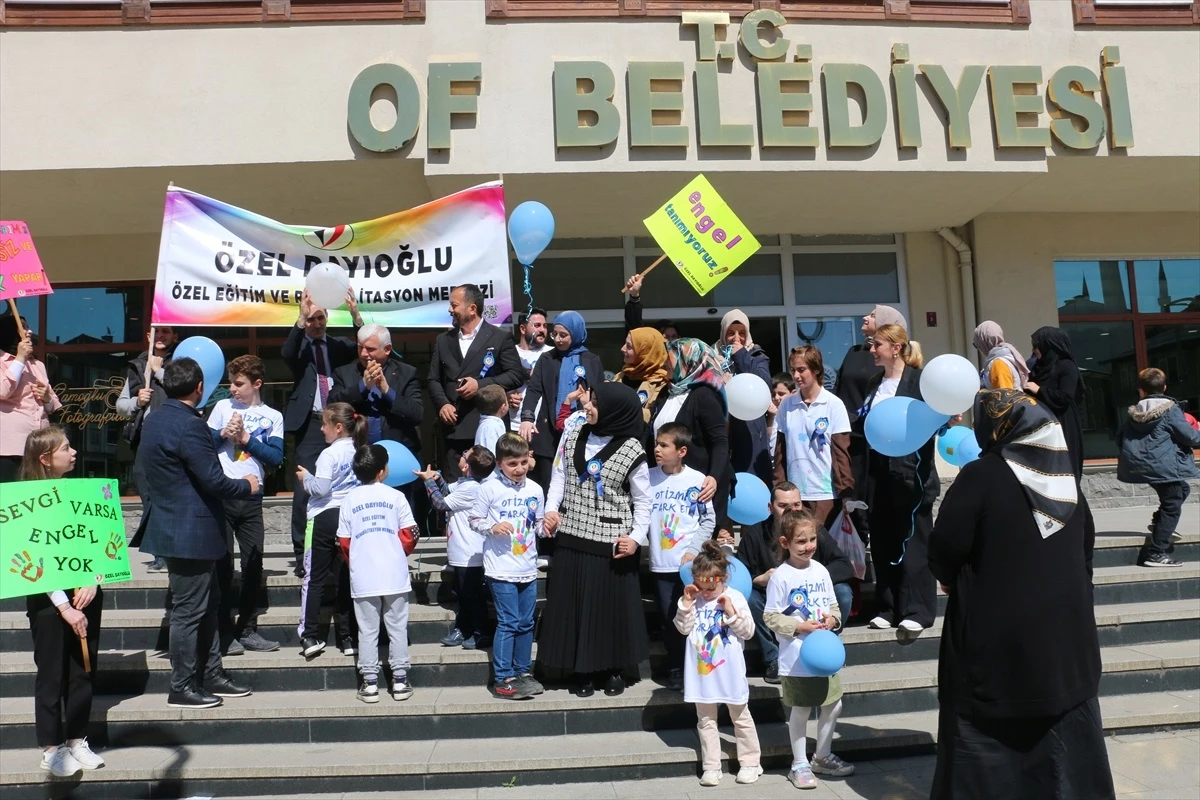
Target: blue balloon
[530, 229]
[823, 653]
[401, 463]
[968, 450]
[749, 499]
[208, 355]
[738, 577]
[899, 426]
[950, 441]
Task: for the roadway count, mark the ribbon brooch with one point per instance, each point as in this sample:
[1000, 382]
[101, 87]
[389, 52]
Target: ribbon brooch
[593, 474]
[580, 375]
[489, 361]
[798, 601]
[531, 508]
[695, 507]
[818, 439]
[643, 396]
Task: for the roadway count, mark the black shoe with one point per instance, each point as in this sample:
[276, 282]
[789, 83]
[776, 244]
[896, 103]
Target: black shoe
[614, 685]
[310, 647]
[223, 685]
[675, 680]
[255, 642]
[454, 638]
[772, 673]
[1160, 560]
[157, 565]
[347, 646]
[193, 697]
[585, 688]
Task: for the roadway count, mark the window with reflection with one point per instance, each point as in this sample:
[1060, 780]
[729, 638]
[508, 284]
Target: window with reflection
[826, 278]
[1091, 287]
[559, 284]
[1168, 286]
[96, 315]
[833, 336]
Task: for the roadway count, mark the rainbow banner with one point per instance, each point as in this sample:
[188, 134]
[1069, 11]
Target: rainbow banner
[222, 265]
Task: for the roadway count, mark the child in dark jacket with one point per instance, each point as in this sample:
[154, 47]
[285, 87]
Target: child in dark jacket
[1156, 446]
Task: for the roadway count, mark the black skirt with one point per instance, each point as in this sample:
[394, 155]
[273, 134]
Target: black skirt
[594, 619]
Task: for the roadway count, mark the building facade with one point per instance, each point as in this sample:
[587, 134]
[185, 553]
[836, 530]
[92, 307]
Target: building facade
[1035, 162]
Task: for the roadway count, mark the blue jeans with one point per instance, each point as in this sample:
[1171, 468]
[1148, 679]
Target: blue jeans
[512, 649]
[845, 599]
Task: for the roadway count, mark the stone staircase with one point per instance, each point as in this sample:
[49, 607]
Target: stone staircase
[303, 731]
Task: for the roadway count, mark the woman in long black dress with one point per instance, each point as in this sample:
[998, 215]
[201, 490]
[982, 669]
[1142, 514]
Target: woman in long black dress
[1019, 668]
[1055, 381]
[598, 507]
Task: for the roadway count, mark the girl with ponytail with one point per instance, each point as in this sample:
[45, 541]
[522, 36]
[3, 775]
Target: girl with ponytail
[902, 491]
[345, 431]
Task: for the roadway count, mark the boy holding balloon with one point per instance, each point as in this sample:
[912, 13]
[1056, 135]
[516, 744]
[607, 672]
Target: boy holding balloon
[248, 435]
[800, 604]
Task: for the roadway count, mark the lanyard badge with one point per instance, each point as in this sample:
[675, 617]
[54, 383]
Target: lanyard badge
[489, 361]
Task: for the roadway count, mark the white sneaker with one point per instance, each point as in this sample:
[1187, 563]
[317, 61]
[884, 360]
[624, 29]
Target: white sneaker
[912, 626]
[60, 763]
[84, 755]
[711, 777]
[879, 623]
[749, 774]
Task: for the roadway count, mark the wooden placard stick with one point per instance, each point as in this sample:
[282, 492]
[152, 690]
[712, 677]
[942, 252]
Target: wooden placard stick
[647, 270]
[87, 659]
[149, 353]
[12, 304]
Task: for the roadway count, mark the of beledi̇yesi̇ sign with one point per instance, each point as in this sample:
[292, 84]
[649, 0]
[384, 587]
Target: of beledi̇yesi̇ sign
[223, 265]
[61, 534]
[1080, 104]
[701, 235]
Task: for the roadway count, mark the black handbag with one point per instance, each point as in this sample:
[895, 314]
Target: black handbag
[132, 432]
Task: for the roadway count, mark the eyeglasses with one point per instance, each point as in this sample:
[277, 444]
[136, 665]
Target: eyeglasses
[559, 335]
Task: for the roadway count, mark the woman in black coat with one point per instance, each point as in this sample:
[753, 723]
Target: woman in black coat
[547, 389]
[695, 398]
[901, 492]
[749, 443]
[1055, 381]
[1019, 668]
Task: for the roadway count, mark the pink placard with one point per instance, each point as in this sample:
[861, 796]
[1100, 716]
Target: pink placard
[21, 273]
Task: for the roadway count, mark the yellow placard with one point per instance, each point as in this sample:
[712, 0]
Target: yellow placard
[701, 235]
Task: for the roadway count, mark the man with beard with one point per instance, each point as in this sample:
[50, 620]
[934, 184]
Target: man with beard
[470, 355]
[530, 347]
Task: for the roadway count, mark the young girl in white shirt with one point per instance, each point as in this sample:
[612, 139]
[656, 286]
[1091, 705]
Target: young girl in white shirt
[800, 600]
[345, 431]
[716, 620]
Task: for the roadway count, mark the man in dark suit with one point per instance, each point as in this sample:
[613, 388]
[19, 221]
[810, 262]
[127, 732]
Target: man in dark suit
[467, 357]
[312, 356]
[185, 524]
[383, 388]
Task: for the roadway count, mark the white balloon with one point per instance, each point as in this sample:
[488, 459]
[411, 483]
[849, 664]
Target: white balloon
[327, 285]
[949, 384]
[748, 395]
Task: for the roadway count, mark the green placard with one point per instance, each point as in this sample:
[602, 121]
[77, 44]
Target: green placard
[61, 534]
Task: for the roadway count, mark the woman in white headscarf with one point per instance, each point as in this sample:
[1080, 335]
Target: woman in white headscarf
[1003, 365]
[749, 445]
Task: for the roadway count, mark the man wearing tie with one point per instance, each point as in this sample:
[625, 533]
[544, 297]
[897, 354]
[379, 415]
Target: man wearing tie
[312, 357]
[467, 357]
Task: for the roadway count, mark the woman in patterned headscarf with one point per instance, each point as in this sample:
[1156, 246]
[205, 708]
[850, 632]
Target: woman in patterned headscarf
[695, 397]
[1019, 668]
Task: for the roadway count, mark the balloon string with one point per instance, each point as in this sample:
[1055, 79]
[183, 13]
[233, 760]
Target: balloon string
[912, 528]
[528, 286]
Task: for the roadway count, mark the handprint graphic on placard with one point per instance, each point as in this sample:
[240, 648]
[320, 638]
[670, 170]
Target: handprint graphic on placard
[115, 542]
[23, 565]
[671, 533]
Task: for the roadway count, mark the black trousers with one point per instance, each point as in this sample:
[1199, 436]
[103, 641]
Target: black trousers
[309, 442]
[1171, 497]
[10, 467]
[192, 583]
[904, 586]
[322, 559]
[471, 618]
[245, 525]
[668, 588]
[62, 688]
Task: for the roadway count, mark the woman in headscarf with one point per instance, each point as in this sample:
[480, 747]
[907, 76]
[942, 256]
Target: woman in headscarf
[1055, 381]
[598, 509]
[1020, 660]
[695, 397]
[569, 366]
[645, 370]
[749, 446]
[1003, 365]
[857, 371]
[901, 491]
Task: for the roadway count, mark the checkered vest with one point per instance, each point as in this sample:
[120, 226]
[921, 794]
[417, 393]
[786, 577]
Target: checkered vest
[606, 518]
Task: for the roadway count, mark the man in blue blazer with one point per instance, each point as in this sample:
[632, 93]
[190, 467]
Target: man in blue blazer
[185, 524]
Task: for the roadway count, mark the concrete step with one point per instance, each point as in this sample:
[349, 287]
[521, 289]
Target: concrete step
[332, 713]
[168, 768]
